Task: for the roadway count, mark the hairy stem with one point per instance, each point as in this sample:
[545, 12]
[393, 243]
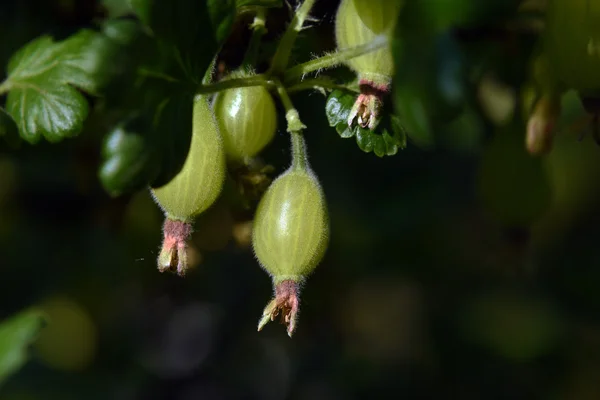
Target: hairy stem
[284, 50]
[324, 83]
[334, 59]
[255, 80]
[258, 31]
[156, 74]
[295, 128]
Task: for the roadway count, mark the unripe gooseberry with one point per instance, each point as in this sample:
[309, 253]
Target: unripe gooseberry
[572, 36]
[290, 236]
[247, 119]
[194, 189]
[359, 22]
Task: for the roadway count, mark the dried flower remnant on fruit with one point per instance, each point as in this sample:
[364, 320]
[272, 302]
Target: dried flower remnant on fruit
[286, 304]
[541, 124]
[173, 255]
[368, 105]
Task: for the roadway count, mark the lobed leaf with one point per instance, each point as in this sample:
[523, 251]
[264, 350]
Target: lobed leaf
[194, 29]
[45, 79]
[149, 148]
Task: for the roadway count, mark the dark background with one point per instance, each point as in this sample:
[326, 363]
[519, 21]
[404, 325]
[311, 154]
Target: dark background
[426, 290]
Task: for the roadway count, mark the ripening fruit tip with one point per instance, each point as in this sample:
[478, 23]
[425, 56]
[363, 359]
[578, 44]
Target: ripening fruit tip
[193, 190]
[359, 22]
[290, 236]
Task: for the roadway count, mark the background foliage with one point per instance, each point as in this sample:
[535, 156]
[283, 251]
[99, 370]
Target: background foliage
[461, 267]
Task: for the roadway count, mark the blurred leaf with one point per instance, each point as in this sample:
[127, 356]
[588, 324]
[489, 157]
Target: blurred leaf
[129, 155]
[513, 325]
[387, 137]
[258, 3]
[439, 15]
[117, 8]
[8, 129]
[146, 151]
[195, 29]
[16, 334]
[429, 83]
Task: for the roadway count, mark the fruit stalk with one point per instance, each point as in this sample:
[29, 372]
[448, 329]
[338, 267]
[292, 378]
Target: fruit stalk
[258, 31]
[284, 50]
[291, 227]
[286, 302]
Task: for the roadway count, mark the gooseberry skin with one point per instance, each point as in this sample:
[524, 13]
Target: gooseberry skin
[201, 178]
[572, 37]
[291, 226]
[247, 119]
[361, 21]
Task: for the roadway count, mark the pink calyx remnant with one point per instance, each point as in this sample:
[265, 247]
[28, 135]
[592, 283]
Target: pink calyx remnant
[173, 255]
[286, 303]
[369, 103]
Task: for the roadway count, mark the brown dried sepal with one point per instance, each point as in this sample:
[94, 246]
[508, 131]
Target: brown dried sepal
[173, 255]
[368, 105]
[286, 303]
[541, 125]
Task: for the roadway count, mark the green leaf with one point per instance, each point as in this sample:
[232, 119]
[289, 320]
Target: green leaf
[195, 29]
[44, 79]
[41, 98]
[117, 8]
[8, 129]
[430, 84]
[241, 4]
[385, 140]
[130, 157]
[16, 334]
[149, 148]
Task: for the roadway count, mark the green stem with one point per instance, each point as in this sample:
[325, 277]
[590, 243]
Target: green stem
[154, 74]
[284, 50]
[319, 84]
[295, 128]
[258, 31]
[5, 87]
[207, 78]
[334, 59]
[255, 80]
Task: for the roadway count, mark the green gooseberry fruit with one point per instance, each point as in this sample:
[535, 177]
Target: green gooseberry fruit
[572, 41]
[194, 189]
[247, 119]
[290, 237]
[360, 21]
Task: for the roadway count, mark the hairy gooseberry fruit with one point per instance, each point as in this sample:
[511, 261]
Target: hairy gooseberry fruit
[247, 119]
[359, 22]
[290, 236]
[572, 36]
[193, 190]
